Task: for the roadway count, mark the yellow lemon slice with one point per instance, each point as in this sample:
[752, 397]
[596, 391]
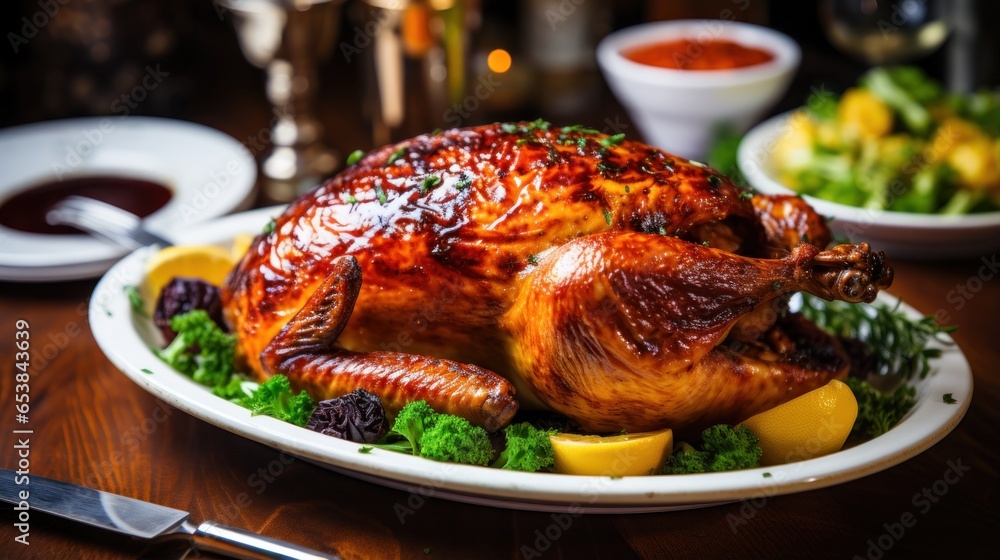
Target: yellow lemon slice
[207, 262]
[811, 425]
[620, 455]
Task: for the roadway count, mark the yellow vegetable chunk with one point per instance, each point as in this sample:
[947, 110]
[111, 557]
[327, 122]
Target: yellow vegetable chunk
[975, 162]
[861, 112]
[794, 148]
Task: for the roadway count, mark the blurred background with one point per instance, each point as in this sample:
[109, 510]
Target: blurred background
[342, 75]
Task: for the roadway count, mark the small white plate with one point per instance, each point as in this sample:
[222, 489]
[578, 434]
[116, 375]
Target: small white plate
[125, 338]
[899, 234]
[209, 173]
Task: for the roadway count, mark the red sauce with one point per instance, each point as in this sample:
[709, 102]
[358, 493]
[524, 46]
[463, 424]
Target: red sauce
[25, 211]
[691, 54]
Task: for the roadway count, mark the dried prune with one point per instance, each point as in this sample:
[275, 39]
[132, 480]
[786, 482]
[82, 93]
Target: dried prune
[357, 416]
[181, 295]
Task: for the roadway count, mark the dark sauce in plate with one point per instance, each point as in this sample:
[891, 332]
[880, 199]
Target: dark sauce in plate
[25, 211]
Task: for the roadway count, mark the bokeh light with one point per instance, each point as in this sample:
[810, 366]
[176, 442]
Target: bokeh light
[498, 61]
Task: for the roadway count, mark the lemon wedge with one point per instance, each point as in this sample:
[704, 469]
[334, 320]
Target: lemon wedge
[207, 262]
[811, 425]
[618, 455]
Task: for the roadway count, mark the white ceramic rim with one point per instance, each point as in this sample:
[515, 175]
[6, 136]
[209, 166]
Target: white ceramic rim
[786, 51]
[753, 163]
[143, 147]
[120, 335]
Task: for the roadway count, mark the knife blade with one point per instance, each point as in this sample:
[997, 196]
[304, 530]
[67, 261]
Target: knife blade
[141, 519]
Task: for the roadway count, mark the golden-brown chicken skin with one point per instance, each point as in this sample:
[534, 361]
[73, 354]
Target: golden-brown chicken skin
[600, 277]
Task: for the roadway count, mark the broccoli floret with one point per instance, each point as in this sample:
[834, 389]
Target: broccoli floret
[411, 422]
[724, 448]
[274, 398]
[453, 438]
[528, 449]
[201, 349]
[432, 435]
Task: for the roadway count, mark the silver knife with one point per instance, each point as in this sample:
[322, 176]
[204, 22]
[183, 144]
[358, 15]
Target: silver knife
[144, 520]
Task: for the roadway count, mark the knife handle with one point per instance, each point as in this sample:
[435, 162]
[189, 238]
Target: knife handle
[236, 543]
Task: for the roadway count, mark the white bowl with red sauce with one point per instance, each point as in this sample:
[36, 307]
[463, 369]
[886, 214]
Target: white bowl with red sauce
[722, 74]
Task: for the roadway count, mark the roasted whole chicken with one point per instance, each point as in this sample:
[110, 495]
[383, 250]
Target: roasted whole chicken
[485, 268]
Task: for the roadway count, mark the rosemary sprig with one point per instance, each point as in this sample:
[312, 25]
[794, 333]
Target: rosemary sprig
[898, 344]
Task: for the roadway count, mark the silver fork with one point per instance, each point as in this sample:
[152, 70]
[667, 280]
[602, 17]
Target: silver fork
[103, 221]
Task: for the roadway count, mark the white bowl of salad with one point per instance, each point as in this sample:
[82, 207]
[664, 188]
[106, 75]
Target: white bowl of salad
[894, 161]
